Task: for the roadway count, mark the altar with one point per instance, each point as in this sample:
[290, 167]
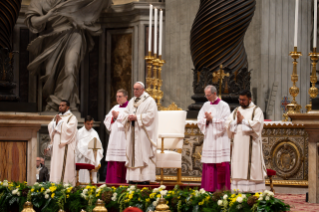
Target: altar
[285, 150]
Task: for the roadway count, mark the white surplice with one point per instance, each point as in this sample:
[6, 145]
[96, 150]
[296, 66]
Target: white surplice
[63, 166]
[116, 150]
[246, 180]
[142, 141]
[86, 155]
[216, 147]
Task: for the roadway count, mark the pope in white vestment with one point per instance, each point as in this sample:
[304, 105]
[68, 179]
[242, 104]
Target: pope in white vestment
[116, 149]
[85, 154]
[245, 126]
[216, 148]
[141, 121]
[63, 145]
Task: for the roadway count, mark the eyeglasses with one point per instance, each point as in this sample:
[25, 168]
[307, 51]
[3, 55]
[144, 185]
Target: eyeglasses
[242, 100]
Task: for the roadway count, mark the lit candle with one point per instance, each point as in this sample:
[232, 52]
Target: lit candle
[160, 33]
[155, 30]
[315, 24]
[296, 22]
[150, 29]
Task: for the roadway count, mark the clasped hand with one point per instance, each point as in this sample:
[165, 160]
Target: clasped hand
[208, 116]
[240, 117]
[132, 117]
[115, 114]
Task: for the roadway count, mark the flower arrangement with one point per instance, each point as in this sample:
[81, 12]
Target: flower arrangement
[50, 197]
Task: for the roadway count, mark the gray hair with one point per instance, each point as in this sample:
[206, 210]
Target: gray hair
[212, 89]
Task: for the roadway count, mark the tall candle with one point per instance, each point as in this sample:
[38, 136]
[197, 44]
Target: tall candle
[296, 22]
[315, 24]
[160, 33]
[150, 29]
[155, 30]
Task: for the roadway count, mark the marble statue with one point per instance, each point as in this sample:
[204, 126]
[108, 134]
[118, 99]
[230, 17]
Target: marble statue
[65, 35]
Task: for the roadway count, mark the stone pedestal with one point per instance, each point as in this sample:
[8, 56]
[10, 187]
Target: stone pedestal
[15, 127]
[310, 121]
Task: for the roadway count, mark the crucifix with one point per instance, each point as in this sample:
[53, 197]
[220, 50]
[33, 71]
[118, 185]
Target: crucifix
[220, 74]
[95, 146]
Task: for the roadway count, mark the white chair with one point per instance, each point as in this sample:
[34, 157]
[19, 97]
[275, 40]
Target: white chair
[171, 132]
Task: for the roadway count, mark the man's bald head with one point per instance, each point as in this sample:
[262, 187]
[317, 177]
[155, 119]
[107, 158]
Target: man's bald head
[138, 89]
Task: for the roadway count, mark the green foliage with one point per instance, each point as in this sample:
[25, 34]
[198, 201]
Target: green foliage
[50, 197]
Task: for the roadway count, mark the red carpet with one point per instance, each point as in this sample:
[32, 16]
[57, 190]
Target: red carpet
[298, 202]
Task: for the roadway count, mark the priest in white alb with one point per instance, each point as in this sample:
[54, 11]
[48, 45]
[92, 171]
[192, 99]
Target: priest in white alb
[85, 153]
[244, 127]
[141, 122]
[216, 148]
[116, 149]
[63, 130]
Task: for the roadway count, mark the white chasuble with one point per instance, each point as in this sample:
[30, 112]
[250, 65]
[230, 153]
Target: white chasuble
[116, 149]
[141, 138]
[86, 155]
[216, 147]
[63, 158]
[248, 170]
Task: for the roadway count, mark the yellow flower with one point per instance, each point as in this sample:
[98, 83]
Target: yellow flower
[25, 182]
[166, 202]
[32, 190]
[152, 195]
[130, 196]
[201, 203]
[42, 189]
[158, 196]
[139, 199]
[52, 195]
[67, 196]
[52, 184]
[147, 200]
[178, 197]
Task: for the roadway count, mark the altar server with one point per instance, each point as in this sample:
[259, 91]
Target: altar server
[85, 154]
[216, 148]
[244, 126]
[116, 157]
[63, 130]
[141, 122]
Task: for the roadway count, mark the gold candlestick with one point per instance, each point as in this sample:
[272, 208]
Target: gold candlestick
[155, 63]
[220, 74]
[313, 91]
[159, 82]
[149, 60]
[294, 90]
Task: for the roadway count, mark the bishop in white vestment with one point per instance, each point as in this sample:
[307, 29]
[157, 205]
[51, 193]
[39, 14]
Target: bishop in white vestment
[216, 148]
[85, 154]
[116, 149]
[141, 121]
[244, 126]
[63, 130]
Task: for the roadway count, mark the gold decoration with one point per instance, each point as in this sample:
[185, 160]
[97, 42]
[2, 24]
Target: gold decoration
[294, 90]
[99, 206]
[149, 58]
[172, 106]
[220, 74]
[162, 206]
[28, 207]
[313, 91]
[61, 210]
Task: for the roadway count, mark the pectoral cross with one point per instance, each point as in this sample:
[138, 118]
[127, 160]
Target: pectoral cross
[220, 74]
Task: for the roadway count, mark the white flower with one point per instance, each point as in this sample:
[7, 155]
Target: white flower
[36, 183]
[266, 192]
[271, 194]
[113, 198]
[202, 191]
[66, 185]
[239, 199]
[102, 186]
[132, 188]
[267, 198]
[155, 203]
[85, 191]
[157, 199]
[83, 195]
[239, 206]
[114, 194]
[225, 196]
[19, 193]
[131, 192]
[163, 192]
[220, 202]
[98, 190]
[162, 187]
[243, 196]
[48, 190]
[46, 196]
[14, 192]
[40, 185]
[260, 198]
[155, 190]
[5, 183]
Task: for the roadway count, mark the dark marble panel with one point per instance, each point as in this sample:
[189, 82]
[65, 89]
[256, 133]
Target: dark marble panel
[121, 64]
[23, 63]
[93, 79]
